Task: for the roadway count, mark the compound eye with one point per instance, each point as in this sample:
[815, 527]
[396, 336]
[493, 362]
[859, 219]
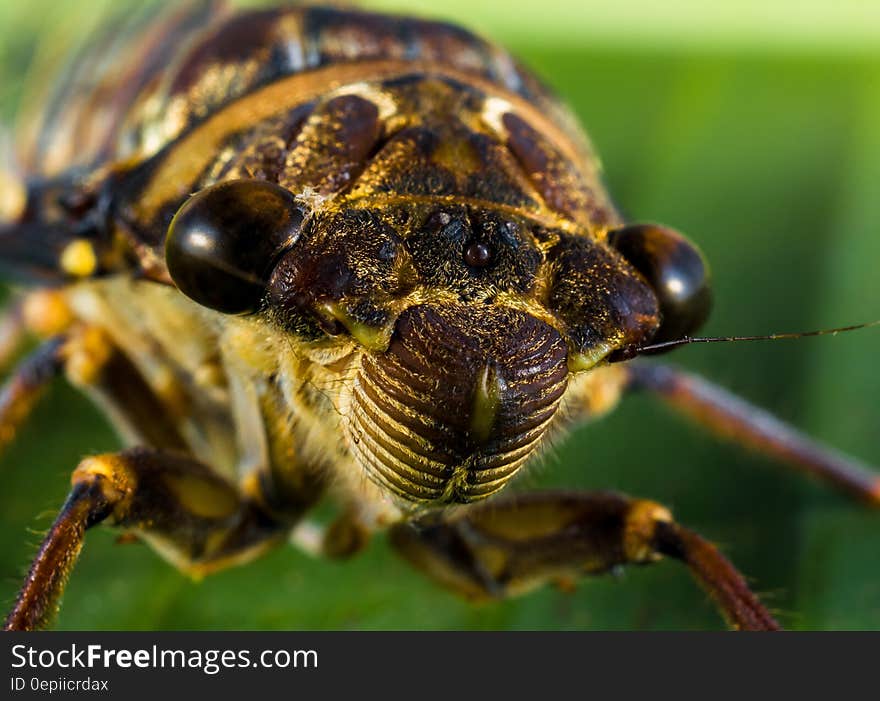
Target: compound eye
[224, 240]
[677, 271]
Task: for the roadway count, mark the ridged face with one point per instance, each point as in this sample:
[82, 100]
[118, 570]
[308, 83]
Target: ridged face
[458, 402]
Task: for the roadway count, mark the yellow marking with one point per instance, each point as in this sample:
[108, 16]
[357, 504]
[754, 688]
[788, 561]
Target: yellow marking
[78, 259]
[118, 484]
[638, 531]
[197, 149]
[210, 374]
[86, 354]
[486, 402]
[457, 486]
[214, 543]
[200, 497]
[370, 337]
[46, 313]
[104, 465]
[578, 362]
[166, 384]
[250, 488]
[457, 156]
[13, 196]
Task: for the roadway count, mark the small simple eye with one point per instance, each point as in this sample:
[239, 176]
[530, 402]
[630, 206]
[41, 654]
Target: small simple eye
[478, 255]
[676, 270]
[223, 241]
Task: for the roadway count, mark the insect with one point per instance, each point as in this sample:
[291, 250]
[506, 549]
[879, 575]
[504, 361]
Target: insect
[368, 345]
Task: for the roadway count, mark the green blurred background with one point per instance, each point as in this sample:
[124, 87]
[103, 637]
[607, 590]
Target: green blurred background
[751, 126]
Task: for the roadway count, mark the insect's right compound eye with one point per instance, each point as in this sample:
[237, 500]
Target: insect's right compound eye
[676, 270]
[223, 241]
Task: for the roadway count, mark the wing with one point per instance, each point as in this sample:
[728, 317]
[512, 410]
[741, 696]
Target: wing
[77, 122]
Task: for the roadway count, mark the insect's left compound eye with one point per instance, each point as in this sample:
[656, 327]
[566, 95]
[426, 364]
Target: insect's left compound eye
[677, 271]
[223, 241]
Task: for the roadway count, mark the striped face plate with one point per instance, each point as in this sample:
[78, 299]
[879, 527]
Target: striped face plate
[458, 402]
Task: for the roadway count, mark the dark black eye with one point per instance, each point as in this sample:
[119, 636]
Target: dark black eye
[223, 241]
[677, 271]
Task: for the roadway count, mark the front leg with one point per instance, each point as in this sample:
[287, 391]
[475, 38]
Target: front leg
[510, 546]
[187, 512]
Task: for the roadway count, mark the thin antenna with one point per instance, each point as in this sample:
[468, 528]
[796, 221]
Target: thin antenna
[626, 354]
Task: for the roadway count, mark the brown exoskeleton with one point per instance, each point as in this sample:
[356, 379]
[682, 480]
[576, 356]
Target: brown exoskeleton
[400, 276]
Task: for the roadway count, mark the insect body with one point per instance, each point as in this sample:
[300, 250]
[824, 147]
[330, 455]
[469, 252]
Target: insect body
[331, 255]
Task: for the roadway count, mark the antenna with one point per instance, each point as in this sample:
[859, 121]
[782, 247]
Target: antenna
[628, 353]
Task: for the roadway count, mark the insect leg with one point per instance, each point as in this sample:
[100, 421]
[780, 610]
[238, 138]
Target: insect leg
[23, 389]
[733, 418]
[43, 313]
[93, 363]
[189, 514]
[509, 546]
[344, 537]
[13, 333]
